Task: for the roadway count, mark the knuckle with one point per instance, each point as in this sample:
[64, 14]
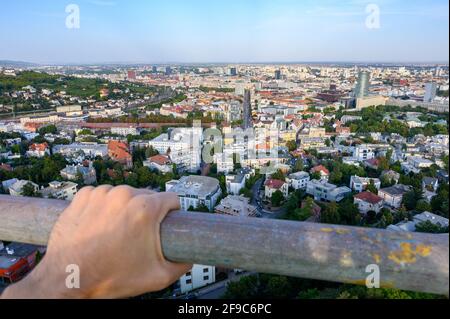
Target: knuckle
[121, 193]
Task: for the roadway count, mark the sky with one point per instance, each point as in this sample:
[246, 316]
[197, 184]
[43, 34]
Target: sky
[229, 31]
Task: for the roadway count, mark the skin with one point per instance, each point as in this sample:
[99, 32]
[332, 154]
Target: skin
[113, 235]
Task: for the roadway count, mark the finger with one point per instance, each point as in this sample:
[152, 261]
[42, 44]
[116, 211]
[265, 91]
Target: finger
[164, 204]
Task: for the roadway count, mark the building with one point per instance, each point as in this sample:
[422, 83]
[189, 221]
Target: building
[60, 190]
[119, 152]
[322, 170]
[393, 195]
[74, 172]
[131, 75]
[81, 150]
[362, 86]
[321, 190]
[16, 189]
[359, 184]
[183, 145]
[363, 152]
[367, 101]
[195, 191]
[199, 276]
[390, 175]
[273, 185]
[125, 131]
[236, 182]
[419, 218]
[430, 92]
[248, 120]
[298, 180]
[277, 74]
[161, 163]
[368, 201]
[224, 162]
[236, 206]
[38, 150]
[430, 184]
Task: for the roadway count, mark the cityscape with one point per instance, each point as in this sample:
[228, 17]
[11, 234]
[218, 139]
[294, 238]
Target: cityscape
[355, 144]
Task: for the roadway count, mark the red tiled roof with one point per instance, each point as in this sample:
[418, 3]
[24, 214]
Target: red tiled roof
[274, 183]
[369, 197]
[320, 168]
[118, 150]
[39, 147]
[160, 159]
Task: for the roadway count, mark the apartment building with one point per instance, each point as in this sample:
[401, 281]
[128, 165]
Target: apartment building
[298, 180]
[321, 190]
[199, 276]
[393, 195]
[60, 190]
[359, 184]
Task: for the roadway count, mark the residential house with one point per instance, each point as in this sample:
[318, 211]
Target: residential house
[38, 150]
[273, 185]
[298, 180]
[16, 189]
[118, 151]
[322, 170]
[368, 201]
[86, 171]
[161, 163]
[321, 190]
[236, 206]
[393, 196]
[359, 184]
[60, 190]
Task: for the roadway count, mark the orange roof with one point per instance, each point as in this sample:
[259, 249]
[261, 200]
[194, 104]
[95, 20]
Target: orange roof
[160, 159]
[39, 147]
[118, 150]
[274, 183]
[369, 197]
[320, 168]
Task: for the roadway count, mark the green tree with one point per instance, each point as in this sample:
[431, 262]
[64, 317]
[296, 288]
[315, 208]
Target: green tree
[291, 145]
[28, 190]
[330, 215]
[277, 198]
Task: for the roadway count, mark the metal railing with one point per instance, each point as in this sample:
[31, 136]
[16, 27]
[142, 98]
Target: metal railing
[409, 261]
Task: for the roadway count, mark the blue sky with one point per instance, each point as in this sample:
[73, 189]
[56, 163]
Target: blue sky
[157, 31]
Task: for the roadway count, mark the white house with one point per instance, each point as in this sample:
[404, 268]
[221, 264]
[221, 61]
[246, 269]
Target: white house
[60, 190]
[359, 184]
[393, 195]
[368, 201]
[298, 180]
[322, 190]
[273, 185]
[16, 189]
[199, 276]
[363, 152]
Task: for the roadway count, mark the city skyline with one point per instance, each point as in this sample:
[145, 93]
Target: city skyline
[250, 32]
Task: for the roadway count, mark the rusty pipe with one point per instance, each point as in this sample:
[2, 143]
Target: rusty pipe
[409, 261]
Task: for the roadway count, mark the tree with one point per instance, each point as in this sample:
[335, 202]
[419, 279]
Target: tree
[278, 175]
[277, 198]
[423, 206]
[291, 145]
[302, 214]
[299, 166]
[411, 198]
[246, 288]
[372, 188]
[429, 227]
[28, 190]
[246, 192]
[330, 215]
[348, 212]
[388, 217]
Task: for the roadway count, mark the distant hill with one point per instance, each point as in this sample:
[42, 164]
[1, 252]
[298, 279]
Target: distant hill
[17, 64]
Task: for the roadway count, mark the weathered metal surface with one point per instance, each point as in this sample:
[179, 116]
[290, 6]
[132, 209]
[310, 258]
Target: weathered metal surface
[410, 261]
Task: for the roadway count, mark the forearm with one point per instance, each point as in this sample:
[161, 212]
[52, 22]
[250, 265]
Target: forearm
[43, 282]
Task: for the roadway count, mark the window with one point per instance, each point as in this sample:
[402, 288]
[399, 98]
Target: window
[205, 277]
[188, 281]
[205, 270]
[188, 274]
